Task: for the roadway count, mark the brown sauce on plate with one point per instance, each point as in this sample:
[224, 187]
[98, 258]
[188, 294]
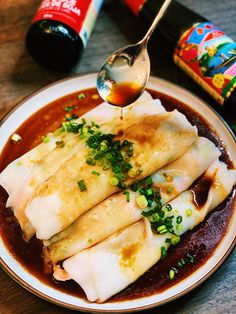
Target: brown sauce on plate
[199, 242]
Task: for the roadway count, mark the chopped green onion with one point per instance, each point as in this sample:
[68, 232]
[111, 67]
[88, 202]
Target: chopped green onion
[141, 201]
[190, 258]
[149, 181]
[179, 219]
[90, 162]
[135, 186]
[189, 212]
[162, 229]
[68, 109]
[154, 217]
[122, 186]
[114, 181]
[149, 192]
[95, 173]
[90, 240]
[82, 185]
[181, 262]
[127, 194]
[168, 207]
[168, 240]
[81, 96]
[46, 139]
[163, 252]
[175, 240]
[171, 274]
[179, 227]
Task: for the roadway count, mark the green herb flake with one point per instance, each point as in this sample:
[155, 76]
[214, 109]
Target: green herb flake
[82, 185]
[68, 109]
[81, 96]
[168, 207]
[95, 173]
[163, 252]
[46, 139]
[175, 240]
[172, 274]
[127, 194]
[181, 262]
[179, 219]
[190, 258]
[189, 212]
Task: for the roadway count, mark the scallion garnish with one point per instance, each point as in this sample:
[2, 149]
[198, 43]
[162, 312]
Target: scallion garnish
[68, 109]
[175, 240]
[114, 181]
[189, 212]
[162, 229]
[181, 262]
[190, 258]
[179, 219]
[163, 252]
[81, 96]
[46, 139]
[127, 194]
[82, 185]
[141, 201]
[168, 207]
[95, 173]
[172, 274]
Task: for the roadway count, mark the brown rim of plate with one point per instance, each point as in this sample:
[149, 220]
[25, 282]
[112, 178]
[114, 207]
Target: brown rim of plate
[43, 296]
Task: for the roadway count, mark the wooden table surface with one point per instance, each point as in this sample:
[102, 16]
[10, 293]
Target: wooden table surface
[20, 76]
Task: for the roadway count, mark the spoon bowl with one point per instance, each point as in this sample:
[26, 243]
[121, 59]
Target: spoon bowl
[124, 75]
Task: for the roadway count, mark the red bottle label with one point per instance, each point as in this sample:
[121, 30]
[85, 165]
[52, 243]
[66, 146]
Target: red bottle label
[80, 15]
[135, 5]
[209, 57]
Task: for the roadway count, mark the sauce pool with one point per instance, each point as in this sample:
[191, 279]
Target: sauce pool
[199, 242]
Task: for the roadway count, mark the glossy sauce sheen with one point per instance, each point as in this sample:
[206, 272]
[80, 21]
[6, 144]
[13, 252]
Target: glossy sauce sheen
[200, 242]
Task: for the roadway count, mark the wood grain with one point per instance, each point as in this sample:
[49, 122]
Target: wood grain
[20, 76]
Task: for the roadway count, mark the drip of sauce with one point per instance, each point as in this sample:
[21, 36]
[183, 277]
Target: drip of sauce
[121, 114]
[123, 94]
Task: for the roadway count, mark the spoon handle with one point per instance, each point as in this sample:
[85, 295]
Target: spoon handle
[157, 19]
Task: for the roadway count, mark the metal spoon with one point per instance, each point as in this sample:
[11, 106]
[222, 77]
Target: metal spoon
[124, 75]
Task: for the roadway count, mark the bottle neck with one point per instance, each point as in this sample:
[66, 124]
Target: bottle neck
[177, 19]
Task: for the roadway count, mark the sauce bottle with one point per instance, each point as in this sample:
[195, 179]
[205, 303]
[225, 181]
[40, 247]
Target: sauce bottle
[201, 49]
[60, 31]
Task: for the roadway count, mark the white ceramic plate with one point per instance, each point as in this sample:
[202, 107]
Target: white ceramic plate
[56, 90]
